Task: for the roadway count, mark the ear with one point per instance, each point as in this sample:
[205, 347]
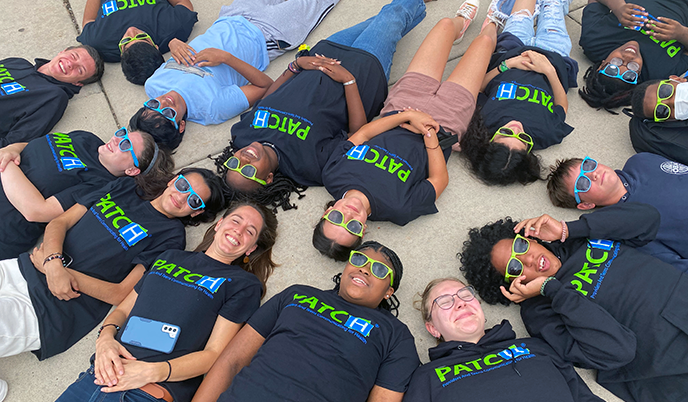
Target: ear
[432, 330]
[255, 246]
[196, 213]
[217, 225]
[182, 126]
[132, 171]
[389, 292]
[270, 177]
[584, 206]
[79, 84]
[365, 227]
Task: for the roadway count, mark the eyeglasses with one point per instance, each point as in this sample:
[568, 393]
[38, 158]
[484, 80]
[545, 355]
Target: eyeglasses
[445, 302]
[167, 112]
[514, 268]
[194, 200]
[583, 182]
[248, 171]
[664, 91]
[612, 70]
[127, 39]
[125, 144]
[522, 136]
[336, 217]
[380, 270]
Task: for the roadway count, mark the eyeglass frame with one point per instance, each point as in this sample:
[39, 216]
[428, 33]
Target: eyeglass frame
[370, 261]
[160, 110]
[659, 100]
[516, 135]
[131, 143]
[514, 256]
[582, 173]
[191, 192]
[239, 167]
[137, 37]
[470, 289]
[618, 71]
[344, 225]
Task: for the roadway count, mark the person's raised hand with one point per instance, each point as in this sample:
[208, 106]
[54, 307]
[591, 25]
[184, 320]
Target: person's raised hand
[631, 15]
[520, 291]
[543, 227]
[182, 53]
[666, 29]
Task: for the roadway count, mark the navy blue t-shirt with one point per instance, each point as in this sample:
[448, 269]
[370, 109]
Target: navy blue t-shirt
[526, 96]
[306, 117]
[117, 232]
[158, 18]
[190, 290]
[391, 170]
[655, 180]
[319, 347]
[59, 165]
[601, 34]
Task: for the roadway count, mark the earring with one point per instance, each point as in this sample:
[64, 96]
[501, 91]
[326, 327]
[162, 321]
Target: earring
[387, 297]
[246, 260]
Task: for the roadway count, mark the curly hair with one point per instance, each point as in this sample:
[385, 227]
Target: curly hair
[260, 261]
[556, 187]
[276, 194]
[328, 247]
[139, 62]
[638, 99]
[603, 92]
[495, 163]
[476, 259]
[391, 304]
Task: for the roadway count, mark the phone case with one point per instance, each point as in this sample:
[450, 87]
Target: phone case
[150, 334]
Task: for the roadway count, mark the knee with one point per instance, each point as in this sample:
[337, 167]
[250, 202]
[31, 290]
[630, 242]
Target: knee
[484, 40]
[446, 24]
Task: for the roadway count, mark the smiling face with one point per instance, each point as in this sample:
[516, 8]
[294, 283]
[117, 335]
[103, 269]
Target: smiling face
[537, 261]
[650, 99]
[512, 142]
[70, 66]
[628, 52]
[606, 186]
[262, 157]
[175, 101]
[173, 203]
[351, 208]
[464, 321]
[237, 234]
[117, 162]
[359, 286]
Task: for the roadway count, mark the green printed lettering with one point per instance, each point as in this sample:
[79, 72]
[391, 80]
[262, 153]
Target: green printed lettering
[673, 50]
[459, 368]
[168, 268]
[60, 135]
[188, 277]
[524, 97]
[588, 255]
[142, 2]
[312, 301]
[325, 307]
[334, 315]
[579, 287]
[545, 98]
[549, 107]
[475, 364]
[10, 79]
[117, 210]
[117, 225]
[274, 126]
[585, 273]
[298, 296]
[64, 152]
[150, 1]
[293, 126]
[4, 73]
[381, 164]
[180, 271]
[132, 4]
[284, 123]
[105, 203]
[120, 7]
[534, 98]
[490, 363]
[442, 372]
[63, 139]
[394, 166]
[158, 263]
[404, 174]
[303, 133]
[377, 155]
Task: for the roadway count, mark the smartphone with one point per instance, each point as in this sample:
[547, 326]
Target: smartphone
[67, 259]
[150, 334]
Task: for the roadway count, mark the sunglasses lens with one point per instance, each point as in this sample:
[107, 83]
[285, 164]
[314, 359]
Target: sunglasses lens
[515, 268]
[125, 145]
[335, 216]
[182, 185]
[141, 36]
[355, 227]
[583, 184]
[506, 131]
[665, 91]
[121, 133]
[195, 202]
[611, 70]
[525, 137]
[589, 165]
[358, 259]
[520, 245]
[232, 162]
[169, 113]
[629, 76]
[633, 66]
[379, 270]
[662, 112]
[152, 103]
[248, 170]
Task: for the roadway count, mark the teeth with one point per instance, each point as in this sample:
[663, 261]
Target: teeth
[232, 240]
[62, 68]
[542, 263]
[359, 280]
[630, 49]
[252, 153]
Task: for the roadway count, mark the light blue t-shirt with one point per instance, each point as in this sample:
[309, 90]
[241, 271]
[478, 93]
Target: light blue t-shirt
[213, 99]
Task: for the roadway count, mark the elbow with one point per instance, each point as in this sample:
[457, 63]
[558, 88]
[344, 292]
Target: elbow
[34, 216]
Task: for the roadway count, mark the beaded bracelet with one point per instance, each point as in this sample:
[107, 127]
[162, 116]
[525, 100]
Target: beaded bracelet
[108, 325]
[350, 82]
[54, 256]
[542, 288]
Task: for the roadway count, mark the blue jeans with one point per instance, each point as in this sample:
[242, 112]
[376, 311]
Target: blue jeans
[84, 390]
[551, 27]
[379, 34]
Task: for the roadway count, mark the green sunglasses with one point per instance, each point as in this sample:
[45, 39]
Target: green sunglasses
[664, 92]
[380, 270]
[127, 39]
[336, 217]
[522, 136]
[514, 268]
[248, 171]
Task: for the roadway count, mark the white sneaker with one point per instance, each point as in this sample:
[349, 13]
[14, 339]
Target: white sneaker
[3, 389]
[468, 10]
[498, 13]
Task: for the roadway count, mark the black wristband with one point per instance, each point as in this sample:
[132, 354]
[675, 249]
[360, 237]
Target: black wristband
[108, 325]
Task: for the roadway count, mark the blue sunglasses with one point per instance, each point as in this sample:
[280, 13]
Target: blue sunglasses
[183, 186]
[583, 182]
[125, 144]
[167, 112]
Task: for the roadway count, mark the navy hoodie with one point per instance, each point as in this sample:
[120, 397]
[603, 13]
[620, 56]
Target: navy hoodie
[30, 102]
[498, 368]
[616, 309]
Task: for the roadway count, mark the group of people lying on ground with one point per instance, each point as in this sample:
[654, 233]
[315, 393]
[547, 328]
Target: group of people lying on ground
[112, 214]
